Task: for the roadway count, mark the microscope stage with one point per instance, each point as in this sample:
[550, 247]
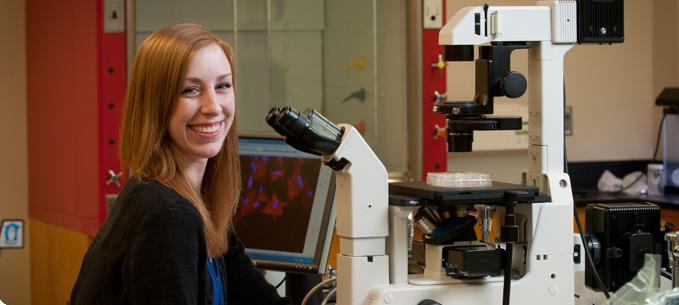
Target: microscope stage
[413, 193]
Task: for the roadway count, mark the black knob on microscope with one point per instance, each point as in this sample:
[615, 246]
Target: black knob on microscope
[513, 85]
[594, 247]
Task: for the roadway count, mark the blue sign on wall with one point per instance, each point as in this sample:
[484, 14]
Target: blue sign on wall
[12, 234]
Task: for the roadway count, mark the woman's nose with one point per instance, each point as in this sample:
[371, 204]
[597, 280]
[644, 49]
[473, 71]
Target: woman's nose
[210, 104]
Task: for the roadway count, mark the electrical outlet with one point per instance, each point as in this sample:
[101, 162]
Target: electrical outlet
[114, 16]
[568, 121]
[432, 14]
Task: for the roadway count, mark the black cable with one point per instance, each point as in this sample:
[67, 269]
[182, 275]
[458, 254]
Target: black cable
[589, 256]
[281, 283]
[506, 287]
[584, 299]
[657, 141]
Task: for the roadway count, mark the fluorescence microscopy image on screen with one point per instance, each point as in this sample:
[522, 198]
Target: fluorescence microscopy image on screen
[276, 201]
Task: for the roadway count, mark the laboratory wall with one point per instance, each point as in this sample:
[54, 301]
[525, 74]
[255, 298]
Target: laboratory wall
[14, 264]
[665, 53]
[610, 88]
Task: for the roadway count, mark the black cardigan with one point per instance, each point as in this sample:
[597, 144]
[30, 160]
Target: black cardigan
[151, 250]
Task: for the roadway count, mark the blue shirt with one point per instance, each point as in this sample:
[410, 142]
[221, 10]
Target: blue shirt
[217, 289]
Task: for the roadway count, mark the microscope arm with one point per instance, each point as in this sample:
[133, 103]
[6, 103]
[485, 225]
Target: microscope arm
[362, 217]
[361, 196]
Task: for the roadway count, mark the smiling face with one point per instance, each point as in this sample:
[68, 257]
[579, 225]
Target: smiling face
[205, 108]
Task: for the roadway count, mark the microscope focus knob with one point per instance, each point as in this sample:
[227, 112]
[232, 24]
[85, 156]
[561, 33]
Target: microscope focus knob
[594, 247]
[514, 84]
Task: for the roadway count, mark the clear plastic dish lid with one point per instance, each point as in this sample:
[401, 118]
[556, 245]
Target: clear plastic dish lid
[468, 179]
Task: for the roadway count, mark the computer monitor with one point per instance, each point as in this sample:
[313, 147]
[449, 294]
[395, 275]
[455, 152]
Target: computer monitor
[286, 212]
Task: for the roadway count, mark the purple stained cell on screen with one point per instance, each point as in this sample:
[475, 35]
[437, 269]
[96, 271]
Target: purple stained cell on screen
[250, 180]
[300, 183]
[278, 173]
[253, 166]
[245, 201]
[260, 189]
[275, 203]
[265, 158]
[257, 203]
[310, 194]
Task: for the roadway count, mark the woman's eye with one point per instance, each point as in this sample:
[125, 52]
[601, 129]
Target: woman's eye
[224, 85]
[190, 90]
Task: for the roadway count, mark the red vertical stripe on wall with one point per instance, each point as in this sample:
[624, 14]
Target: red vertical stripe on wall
[112, 75]
[434, 151]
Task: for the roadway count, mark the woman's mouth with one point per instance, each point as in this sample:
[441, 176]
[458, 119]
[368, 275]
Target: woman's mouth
[207, 128]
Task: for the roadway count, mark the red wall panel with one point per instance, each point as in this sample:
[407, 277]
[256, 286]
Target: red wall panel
[434, 150]
[64, 56]
[62, 112]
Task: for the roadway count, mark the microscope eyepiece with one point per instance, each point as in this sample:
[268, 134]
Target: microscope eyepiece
[271, 116]
[291, 120]
[309, 131]
[272, 120]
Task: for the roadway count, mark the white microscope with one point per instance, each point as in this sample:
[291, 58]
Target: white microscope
[532, 259]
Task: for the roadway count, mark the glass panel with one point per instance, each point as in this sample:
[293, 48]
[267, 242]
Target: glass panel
[321, 56]
[216, 15]
[297, 28]
[308, 54]
[253, 83]
[350, 65]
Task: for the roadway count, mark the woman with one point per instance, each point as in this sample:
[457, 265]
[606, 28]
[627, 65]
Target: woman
[167, 240]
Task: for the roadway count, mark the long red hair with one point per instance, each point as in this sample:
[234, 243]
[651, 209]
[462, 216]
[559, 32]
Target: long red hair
[145, 146]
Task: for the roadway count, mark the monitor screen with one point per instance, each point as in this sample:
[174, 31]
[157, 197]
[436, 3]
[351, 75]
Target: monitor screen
[286, 211]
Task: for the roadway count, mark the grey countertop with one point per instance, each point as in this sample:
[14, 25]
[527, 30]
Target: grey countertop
[583, 197]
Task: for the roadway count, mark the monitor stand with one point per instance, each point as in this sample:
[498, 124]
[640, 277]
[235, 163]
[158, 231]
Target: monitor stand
[297, 285]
